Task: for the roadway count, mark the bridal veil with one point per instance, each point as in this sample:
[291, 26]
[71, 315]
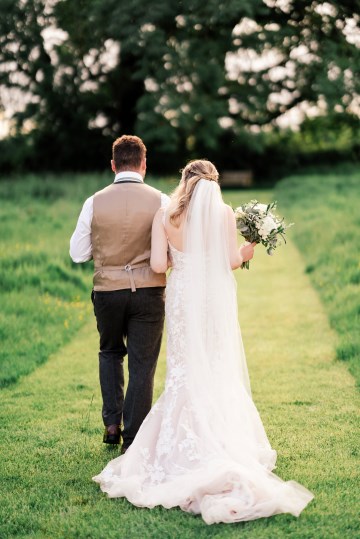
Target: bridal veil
[203, 446]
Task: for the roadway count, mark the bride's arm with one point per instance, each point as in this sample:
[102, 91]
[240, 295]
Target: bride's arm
[159, 245]
[241, 254]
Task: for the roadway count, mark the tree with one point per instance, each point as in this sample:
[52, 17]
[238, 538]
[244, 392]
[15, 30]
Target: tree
[56, 75]
[300, 54]
[191, 77]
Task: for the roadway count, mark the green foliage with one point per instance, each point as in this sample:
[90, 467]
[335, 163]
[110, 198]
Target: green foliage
[336, 133]
[51, 82]
[51, 444]
[45, 297]
[325, 209]
[161, 69]
[320, 142]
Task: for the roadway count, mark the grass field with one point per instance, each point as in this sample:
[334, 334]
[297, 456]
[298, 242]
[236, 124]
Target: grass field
[51, 428]
[44, 296]
[326, 211]
[50, 425]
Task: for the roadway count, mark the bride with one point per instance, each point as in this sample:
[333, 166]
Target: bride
[202, 446]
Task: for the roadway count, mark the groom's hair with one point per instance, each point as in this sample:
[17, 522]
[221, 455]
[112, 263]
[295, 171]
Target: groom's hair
[127, 152]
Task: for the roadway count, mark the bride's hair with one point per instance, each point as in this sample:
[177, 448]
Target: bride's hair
[190, 175]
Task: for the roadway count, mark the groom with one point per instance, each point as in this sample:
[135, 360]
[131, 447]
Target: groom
[114, 228]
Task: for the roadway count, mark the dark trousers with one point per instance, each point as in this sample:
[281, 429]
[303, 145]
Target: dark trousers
[128, 323]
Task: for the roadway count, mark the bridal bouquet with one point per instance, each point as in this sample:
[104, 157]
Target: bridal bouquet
[258, 223]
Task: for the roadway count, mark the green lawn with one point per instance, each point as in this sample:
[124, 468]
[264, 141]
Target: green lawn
[44, 296]
[51, 426]
[326, 211]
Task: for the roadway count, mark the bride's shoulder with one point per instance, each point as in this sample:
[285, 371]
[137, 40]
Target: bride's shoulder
[229, 210]
[160, 215]
[230, 217]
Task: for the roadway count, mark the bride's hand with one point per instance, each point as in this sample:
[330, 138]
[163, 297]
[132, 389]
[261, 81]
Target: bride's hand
[246, 251]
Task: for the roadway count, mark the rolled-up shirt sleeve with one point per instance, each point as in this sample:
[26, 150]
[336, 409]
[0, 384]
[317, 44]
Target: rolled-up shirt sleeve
[80, 242]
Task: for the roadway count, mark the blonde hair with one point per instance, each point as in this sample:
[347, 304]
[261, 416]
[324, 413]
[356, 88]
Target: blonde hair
[190, 175]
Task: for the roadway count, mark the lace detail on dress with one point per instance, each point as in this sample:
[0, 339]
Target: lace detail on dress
[175, 459]
[175, 433]
[189, 444]
[153, 473]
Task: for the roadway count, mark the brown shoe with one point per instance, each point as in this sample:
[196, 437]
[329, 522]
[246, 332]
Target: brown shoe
[112, 434]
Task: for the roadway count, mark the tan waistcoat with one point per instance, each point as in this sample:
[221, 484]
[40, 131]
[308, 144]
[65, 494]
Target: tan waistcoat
[121, 236]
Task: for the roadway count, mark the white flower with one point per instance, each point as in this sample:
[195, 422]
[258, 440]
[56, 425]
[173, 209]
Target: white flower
[263, 234]
[239, 213]
[267, 226]
[259, 222]
[261, 207]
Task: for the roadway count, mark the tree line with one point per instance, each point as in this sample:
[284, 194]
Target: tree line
[192, 78]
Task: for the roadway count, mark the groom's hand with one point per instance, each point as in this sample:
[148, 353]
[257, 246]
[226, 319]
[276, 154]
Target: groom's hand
[247, 251]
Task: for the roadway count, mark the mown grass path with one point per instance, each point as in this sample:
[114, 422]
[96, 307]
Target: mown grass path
[51, 428]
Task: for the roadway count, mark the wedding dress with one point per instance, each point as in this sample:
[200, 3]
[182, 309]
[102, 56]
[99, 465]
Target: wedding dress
[203, 447]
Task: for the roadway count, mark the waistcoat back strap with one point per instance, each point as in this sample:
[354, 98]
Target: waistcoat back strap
[128, 268]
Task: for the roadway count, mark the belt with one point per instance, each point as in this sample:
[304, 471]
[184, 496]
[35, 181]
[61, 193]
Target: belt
[128, 268]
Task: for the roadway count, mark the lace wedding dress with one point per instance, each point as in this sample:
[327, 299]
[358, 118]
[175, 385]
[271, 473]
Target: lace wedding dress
[203, 446]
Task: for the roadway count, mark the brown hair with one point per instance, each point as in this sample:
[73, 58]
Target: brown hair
[127, 152]
[190, 175]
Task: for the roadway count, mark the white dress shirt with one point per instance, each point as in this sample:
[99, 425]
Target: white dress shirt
[80, 242]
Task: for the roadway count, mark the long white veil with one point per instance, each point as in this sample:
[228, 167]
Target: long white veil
[203, 446]
[217, 373]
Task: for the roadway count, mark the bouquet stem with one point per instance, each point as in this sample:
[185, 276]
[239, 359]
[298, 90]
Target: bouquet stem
[245, 265]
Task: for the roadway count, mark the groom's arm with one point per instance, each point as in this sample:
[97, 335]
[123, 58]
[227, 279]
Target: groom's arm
[80, 242]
